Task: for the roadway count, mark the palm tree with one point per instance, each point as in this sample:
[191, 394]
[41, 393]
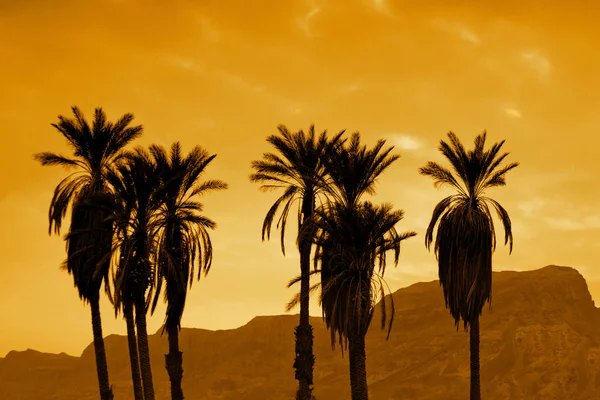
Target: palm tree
[466, 237]
[351, 242]
[136, 183]
[182, 240]
[350, 236]
[297, 169]
[94, 148]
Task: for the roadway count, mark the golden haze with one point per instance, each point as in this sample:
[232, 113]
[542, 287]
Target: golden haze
[223, 75]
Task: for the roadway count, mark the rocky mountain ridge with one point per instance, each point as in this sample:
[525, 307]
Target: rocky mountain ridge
[540, 340]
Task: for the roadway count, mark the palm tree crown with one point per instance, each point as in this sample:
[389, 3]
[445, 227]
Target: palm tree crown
[353, 169]
[95, 147]
[135, 181]
[465, 236]
[352, 245]
[298, 170]
[182, 230]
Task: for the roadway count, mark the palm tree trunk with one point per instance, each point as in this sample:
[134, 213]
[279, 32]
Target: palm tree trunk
[474, 347]
[133, 353]
[358, 367]
[305, 359]
[174, 364]
[144, 351]
[101, 364]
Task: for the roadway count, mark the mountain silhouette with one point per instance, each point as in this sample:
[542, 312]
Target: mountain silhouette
[540, 340]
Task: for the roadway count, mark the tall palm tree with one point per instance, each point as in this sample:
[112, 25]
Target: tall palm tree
[94, 148]
[136, 183]
[350, 236]
[466, 237]
[297, 169]
[182, 239]
[351, 242]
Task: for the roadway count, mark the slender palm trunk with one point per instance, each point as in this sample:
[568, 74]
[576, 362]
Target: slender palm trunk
[174, 364]
[101, 364]
[133, 353]
[474, 344]
[357, 350]
[305, 359]
[144, 351]
[358, 367]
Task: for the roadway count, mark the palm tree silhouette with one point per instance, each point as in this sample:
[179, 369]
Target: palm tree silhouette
[89, 239]
[351, 237]
[297, 169]
[351, 242]
[182, 239]
[466, 237]
[136, 183]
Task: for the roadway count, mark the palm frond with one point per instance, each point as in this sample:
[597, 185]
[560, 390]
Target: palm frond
[288, 196]
[48, 158]
[296, 168]
[207, 186]
[295, 301]
[505, 219]
[441, 176]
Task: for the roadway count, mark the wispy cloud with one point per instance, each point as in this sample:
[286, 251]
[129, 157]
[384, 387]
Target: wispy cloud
[531, 207]
[405, 141]
[286, 104]
[457, 29]
[381, 6]
[538, 62]
[512, 112]
[304, 22]
[572, 224]
[208, 28]
[185, 63]
[296, 108]
[522, 230]
[237, 80]
[556, 178]
[352, 88]
[565, 224]
[593, 221]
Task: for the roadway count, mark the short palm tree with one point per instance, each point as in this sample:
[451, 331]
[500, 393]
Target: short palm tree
[352, 243]
[136, 183]
[297, 169]
[466, 237]
[95, 148]
[182, 240]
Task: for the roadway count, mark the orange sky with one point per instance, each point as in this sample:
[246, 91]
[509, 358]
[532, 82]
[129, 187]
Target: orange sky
[224, 74]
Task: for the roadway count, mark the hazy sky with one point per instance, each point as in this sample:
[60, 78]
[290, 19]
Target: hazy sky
[224, 74]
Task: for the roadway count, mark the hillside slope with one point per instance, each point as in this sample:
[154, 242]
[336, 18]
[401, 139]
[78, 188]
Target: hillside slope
[540, 340]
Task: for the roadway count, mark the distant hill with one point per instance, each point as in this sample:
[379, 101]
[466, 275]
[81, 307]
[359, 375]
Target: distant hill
[540, 340]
